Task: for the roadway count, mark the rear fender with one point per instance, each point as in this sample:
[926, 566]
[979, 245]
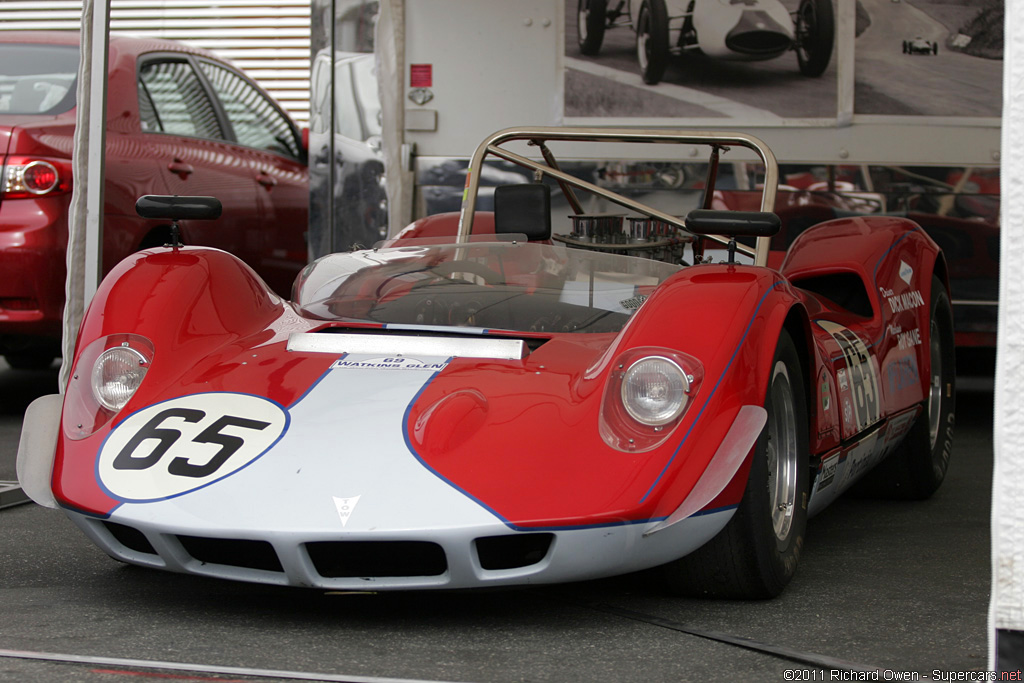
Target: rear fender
[895, 259]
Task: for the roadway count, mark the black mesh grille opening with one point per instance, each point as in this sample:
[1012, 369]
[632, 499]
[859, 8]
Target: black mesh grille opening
[130, 538]
[348, 559]
[232, 552]
[511, 552]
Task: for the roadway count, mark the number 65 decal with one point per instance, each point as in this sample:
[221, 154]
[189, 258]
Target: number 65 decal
[186, 443]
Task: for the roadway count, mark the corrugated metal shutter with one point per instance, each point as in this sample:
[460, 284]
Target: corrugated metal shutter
[268, 39]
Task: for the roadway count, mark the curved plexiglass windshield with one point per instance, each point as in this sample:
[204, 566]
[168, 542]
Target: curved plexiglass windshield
[517, 286]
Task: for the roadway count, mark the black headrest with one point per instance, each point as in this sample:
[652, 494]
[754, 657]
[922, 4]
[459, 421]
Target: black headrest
[732, 223]
[523, 208]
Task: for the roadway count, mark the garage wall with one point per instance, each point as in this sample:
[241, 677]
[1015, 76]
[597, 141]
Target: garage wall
[268, 39]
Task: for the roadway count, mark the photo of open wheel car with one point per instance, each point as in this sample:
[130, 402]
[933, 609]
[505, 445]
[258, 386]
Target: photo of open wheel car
[752, 30]
[487, 400]
[920, 46]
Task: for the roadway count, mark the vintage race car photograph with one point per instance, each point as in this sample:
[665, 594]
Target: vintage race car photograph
[507, 398]
[754, 30]
[920, 46]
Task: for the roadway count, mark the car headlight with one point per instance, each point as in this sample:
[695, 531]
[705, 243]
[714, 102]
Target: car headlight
[647, 393]
[654, 391]
[117, 374]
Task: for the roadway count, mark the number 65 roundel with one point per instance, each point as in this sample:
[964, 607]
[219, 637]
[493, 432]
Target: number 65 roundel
[186, 443]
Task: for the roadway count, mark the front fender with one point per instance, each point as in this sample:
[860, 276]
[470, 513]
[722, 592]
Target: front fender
[738, 314]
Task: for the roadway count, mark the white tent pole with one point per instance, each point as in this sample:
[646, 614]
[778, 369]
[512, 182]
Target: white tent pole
[85, 218]
[390, 48]
[1006, 612]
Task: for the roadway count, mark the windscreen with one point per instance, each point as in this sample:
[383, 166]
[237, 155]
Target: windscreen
[520, 287]
[37, 79]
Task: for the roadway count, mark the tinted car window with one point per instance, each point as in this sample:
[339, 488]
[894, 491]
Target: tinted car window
[37, 79]
[172, 100]
[255, 120]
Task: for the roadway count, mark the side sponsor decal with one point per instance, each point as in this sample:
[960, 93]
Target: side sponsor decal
[907, 301]
[187, 443]
[859, 377]
[859, 459]
[906, 272]
[902, 373]
[828, 471]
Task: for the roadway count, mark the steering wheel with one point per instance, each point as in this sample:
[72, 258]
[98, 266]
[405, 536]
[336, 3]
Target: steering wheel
[449, 268]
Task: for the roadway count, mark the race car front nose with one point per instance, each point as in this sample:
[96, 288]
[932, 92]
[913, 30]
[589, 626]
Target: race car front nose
[409, 560]
[757, 34]
[471, 557]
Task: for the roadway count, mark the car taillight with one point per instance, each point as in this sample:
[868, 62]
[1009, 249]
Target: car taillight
[34, 177]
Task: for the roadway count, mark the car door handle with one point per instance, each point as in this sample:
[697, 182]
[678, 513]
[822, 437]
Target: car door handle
[181, 168]
[266, 180]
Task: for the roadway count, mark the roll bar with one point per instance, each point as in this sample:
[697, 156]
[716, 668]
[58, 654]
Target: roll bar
[718, 142]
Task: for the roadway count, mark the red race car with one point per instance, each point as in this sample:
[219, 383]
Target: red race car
[179, 121]
[497, 404]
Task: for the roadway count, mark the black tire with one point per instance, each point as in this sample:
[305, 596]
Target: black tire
[591, 20]
[30, 360]
[935, 48]
[916, 469]
[815, 34]
[652, 40]
[756, 554]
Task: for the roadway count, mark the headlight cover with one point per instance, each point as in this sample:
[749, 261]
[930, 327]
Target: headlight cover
[646, 395]
[107, 373]
[654, 390]
[117, 374]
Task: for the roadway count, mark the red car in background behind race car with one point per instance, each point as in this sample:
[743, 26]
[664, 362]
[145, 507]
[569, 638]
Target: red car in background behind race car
[179, 121]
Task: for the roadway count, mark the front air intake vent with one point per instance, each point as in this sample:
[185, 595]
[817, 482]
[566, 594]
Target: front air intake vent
[232, 552]
[369, 559]
[130, 538]
[512, 551]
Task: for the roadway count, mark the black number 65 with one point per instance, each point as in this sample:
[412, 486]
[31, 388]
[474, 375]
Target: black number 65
[167, 437]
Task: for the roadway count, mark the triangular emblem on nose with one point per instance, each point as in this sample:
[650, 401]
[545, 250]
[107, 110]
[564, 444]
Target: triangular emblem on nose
[345, 508]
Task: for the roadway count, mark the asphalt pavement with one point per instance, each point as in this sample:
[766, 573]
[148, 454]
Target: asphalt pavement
[902, 587]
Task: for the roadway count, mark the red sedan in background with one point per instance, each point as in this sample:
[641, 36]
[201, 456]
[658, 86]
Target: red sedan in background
[179, 121]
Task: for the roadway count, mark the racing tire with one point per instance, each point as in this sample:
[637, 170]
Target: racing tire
[591, 19]
[757, 552]
[815, 34]
[917, 468]
[652, 40]
[935, 48]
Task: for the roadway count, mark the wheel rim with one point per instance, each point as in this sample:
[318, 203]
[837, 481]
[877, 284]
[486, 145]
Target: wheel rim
[804, 26]
[935, 390]
[782, 453]
[581, 21]
[643, 41]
